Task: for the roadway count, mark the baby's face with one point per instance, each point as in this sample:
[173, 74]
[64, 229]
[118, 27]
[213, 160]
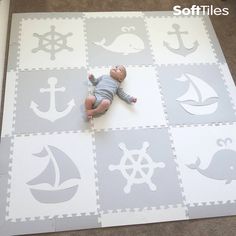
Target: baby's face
[118, 73]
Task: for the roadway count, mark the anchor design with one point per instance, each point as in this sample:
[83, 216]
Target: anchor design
[181, 50]
[52, 114]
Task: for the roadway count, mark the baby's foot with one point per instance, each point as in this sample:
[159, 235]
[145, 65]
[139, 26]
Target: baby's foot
[90, 114]
[91, 77]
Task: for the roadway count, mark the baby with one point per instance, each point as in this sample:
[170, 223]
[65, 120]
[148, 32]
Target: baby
[106, 87]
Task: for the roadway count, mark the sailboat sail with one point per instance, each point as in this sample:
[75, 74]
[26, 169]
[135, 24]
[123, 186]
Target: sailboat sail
[190, 95]
[47, 176]
[198, 90]
[205, 89]
[59, 169]
[67, 169]
[200, 98]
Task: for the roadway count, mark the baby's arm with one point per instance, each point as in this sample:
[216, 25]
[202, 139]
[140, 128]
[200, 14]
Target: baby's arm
[124, 96]
[93, 80]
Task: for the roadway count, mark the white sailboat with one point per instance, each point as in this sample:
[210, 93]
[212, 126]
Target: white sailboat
[200, 98]
[59, 170]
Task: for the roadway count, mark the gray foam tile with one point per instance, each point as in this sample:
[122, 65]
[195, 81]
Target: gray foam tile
[33, 105]
[81, 222]
[5, 152]
[15, 28]
[211, 210]
[118, 40]
[3, 198]
[12, 57]
[215, 42]
[136, 166]
[28, 227]
[195, 94]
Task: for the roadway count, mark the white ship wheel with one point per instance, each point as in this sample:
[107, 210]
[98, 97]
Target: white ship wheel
[136, 166]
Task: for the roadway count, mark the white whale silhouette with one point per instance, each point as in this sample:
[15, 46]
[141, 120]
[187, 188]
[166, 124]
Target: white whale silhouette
[125, 44]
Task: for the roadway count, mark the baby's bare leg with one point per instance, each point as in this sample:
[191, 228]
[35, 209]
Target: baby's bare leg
[102, 107]
[89, 101]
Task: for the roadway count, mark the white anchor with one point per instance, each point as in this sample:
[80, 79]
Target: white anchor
[181, 50]
[52, 114]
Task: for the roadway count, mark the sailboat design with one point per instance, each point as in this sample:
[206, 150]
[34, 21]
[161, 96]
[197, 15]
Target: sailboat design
[59, 170]
[200, 98]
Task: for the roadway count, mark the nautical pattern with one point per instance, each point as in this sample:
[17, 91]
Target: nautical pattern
[140, 163]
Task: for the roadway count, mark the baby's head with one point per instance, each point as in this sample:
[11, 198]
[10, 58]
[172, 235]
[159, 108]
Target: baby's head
[118, 73]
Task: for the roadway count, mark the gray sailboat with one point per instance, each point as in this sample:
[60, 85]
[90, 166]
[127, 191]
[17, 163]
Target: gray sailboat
[59, 169]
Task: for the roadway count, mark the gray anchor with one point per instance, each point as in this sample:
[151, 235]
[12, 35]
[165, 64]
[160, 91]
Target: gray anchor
[52, 114]
[181, 50]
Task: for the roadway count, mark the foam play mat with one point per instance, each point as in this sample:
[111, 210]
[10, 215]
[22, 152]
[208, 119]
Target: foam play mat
[170, 156]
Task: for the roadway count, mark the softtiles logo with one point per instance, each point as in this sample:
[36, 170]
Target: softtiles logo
[196, 10]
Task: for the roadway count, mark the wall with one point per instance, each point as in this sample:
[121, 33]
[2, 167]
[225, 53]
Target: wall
[4, 11]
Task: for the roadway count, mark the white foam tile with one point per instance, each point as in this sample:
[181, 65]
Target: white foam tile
[162, 31]
[142, 83]
[142, 217]
[34, 192]
[206, 159]
[52, 43]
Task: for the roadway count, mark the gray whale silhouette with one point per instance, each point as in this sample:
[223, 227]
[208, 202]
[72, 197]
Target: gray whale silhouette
[221, 167]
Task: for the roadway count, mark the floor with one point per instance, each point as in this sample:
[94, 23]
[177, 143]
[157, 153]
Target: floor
[219, 226]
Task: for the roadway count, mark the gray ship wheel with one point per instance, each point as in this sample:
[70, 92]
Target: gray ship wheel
[52, 42]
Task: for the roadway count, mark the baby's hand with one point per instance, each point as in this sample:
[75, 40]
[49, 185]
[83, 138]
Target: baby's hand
[134, 100]
[91, 77]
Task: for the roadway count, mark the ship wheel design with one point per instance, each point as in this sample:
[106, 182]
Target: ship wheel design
[52, 42]
[137, 167]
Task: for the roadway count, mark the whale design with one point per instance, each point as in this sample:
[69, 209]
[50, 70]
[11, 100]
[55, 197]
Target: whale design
[126, 43]
[221, 167]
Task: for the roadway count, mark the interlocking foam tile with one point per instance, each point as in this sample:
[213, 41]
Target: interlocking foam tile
[170, 156]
